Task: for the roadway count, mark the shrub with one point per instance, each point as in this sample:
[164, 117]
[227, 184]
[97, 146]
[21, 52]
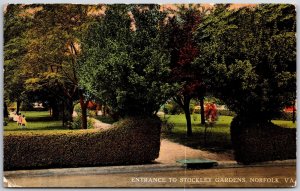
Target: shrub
[130, 141]
[192, 107]
[167, 127]
[172, 109]
[26, 106]
[257, 142]
[77, 122]
[286, 116]
[226, 113]
[196, 110]
[5, 121]
[77, 108]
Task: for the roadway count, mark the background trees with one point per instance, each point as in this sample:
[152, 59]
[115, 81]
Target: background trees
[42, 57]
[132, 56]
[15, 28]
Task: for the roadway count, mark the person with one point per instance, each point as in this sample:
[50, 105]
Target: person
[19, 119]
[24, 122]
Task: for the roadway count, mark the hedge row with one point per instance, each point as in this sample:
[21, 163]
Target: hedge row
[286, 116]
[258, 142]
[130, 141]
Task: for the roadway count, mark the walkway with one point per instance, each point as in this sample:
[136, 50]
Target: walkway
[100, 125]
[170, 152]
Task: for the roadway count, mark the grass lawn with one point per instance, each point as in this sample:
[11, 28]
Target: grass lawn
[218, 137]
[105, 119]
[36, 120]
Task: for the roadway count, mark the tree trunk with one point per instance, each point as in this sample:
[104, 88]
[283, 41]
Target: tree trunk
[18, 107]
[63, 114]
[69, 108]
[5, 110]
[83, 106]
[202, 110]
[104, 110]
[55, 111]
[187, 115]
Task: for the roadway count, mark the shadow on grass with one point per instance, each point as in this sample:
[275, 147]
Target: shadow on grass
[105, 119]
[215, 141]
[40, 118]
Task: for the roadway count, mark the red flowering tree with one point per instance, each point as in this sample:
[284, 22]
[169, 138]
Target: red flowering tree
[183, 49]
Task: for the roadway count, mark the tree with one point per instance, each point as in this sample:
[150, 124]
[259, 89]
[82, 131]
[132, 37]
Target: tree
[248, 58]
[123, 62]
[184, 50]
[53, 48]
[15, 27]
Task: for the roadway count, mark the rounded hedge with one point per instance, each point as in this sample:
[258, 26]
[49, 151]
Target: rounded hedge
[261, 141]
[130, 141]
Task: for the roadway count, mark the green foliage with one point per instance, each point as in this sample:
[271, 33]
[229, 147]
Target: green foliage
[257, 142]
[77, 122]
[131, 141]
[5, 121]
[248, 58]
[41, 54]
[172, 108]
[226, 113]
[286, 116]
[15, 28]
[27, 106]
[126, 68]
[166, 126]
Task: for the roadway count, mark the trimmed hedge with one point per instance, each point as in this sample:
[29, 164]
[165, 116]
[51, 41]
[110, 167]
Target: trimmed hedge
[130, 141]
[286, 116]
[258, 142]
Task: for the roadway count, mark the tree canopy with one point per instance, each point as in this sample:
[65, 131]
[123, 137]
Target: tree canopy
[248, 58]
[125, 64]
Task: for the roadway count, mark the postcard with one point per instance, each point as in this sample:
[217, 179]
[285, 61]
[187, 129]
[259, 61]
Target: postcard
[149, 95]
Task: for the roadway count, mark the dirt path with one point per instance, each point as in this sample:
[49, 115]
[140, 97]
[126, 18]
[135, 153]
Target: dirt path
[100, 125]
[170, 152]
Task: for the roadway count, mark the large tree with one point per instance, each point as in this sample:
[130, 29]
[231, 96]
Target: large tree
[53, 48]
[248, 58]
[124, 63]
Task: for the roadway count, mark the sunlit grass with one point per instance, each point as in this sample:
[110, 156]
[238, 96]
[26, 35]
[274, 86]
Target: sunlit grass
[36, 120]
[217, 137]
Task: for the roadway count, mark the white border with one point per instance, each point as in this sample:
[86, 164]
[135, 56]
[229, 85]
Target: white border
[4, 2]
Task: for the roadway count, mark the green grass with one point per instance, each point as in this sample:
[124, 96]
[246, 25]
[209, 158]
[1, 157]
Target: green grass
[217, 137]
[105, 119]
[282, 123]
[36, 120]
